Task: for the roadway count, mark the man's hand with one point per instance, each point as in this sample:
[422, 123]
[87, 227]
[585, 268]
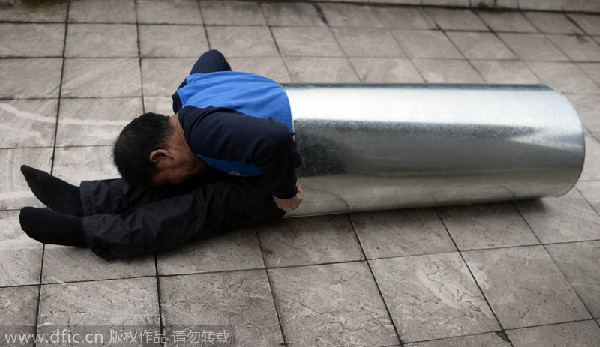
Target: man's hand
[288, 205]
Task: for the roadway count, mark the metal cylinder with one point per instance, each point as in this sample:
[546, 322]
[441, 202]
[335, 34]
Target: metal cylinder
[371, 147]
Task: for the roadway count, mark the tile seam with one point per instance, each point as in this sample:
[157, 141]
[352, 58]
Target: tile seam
[571, 61]
[270, 283]
[556, 265]
[385, 304]
[321, 15]
[502, 334]
[586, 200]
[552, 324]
[139, 56]
[62, 73]
[280, 55]
[403, 49]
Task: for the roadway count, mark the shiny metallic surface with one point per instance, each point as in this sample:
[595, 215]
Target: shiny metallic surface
[371, 147]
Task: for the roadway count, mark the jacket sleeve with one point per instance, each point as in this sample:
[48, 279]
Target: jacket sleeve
[176, 99]
[225, 134]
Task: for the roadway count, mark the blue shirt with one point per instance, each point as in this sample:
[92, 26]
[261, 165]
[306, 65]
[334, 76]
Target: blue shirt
[246, 93]
[240, 124]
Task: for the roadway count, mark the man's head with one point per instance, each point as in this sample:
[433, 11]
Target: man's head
[136, 142]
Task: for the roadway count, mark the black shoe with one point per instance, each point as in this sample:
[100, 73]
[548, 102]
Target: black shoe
[55, 193]
[52, 227]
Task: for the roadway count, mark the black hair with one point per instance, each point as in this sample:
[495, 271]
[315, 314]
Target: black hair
[131, 152]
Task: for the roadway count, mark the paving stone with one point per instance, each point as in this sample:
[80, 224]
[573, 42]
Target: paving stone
[168, 12]
[566, 77]
[480, 45]
[432, 297]
[101, 77]
[232, 13]
[14, 192]
[69, 264]
[291, 14]
[31, 40]
[499, 4]
[487, 226]
[18, 309]
[562, 219]
[131, 301]
[241, 299]
[489, 339]
[524, 287]
[20, 266]
[300, 41]
[506, 21]
[551, 5]
[426, 44]
[162, 76]
[18, 305]
[368, 42]
[350, 15]
[161, 105]
[456, 19]
[590, 190]
[592, 70]
[333, 305]
[11, 235]
[172, 41]
[588, 22]
[238, 250]
[532, 47]
[552, 23]
[20, 256]
[101, 40]
[404, 18]
[238, 41]
[273, 68]
[386, 70]
[76, 164]
[114, 11]
[27, 123]
[401, 233]
[578, 48]
[447, 71]
[321, 70]
[458, 3]
[581, 5]
[403, 2]
[584, 333]
[579, 263]
[31, 11]
[588, 109]
[310, 240]
[591, 166]
[505, 72]
[30, 78]
[94, 121]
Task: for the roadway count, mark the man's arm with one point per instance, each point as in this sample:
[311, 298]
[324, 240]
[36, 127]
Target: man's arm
[225, 134]
[288, 205]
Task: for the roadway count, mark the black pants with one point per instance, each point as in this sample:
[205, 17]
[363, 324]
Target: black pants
[123, 221]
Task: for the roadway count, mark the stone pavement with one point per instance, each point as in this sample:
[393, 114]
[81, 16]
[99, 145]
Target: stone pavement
[522, 274]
